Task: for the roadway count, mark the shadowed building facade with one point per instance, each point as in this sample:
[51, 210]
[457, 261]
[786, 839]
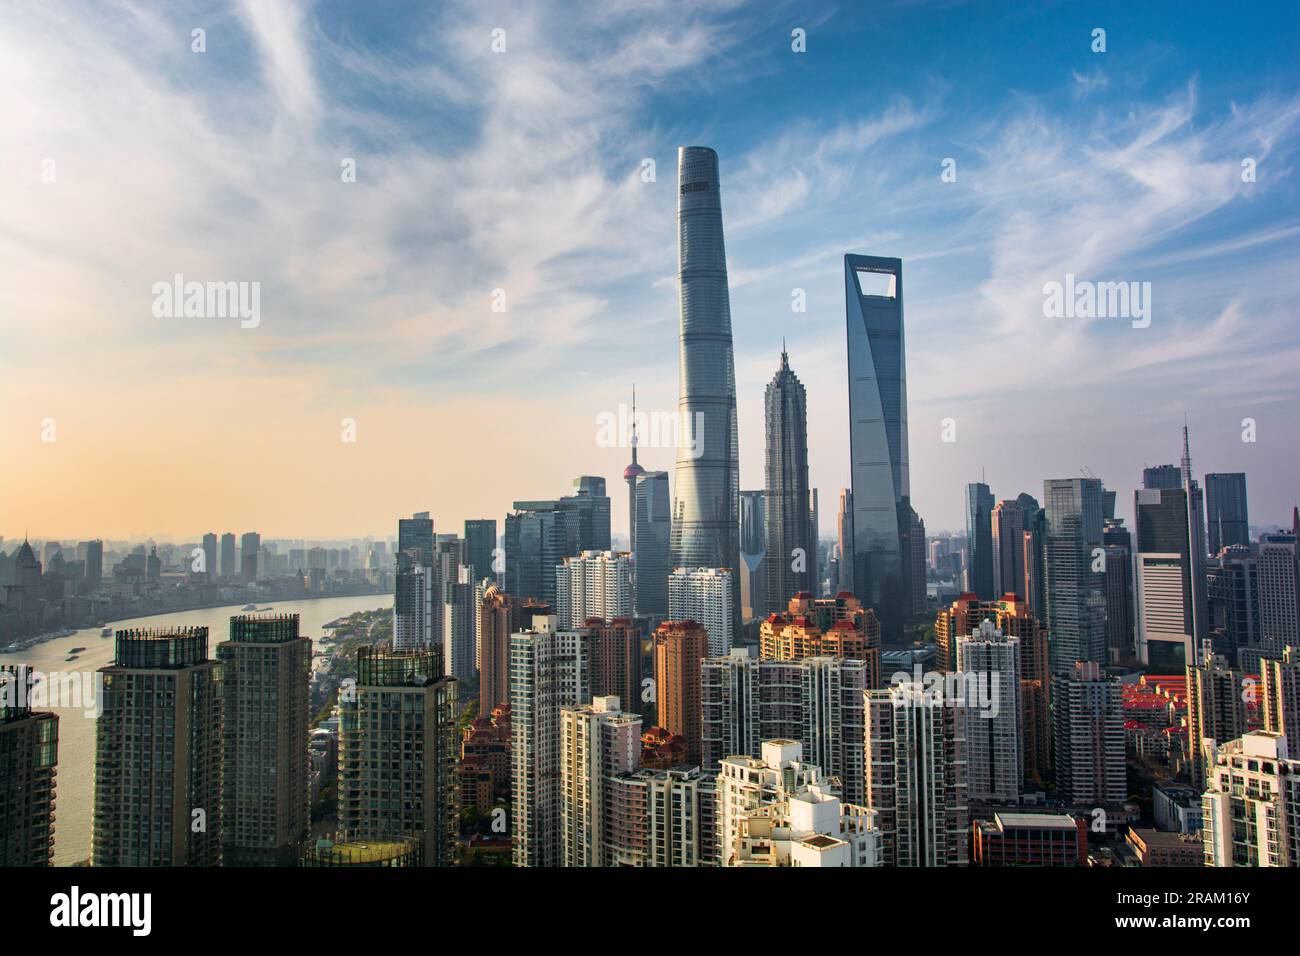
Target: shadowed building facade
[29, 750]
[873, 293]
[266, 682]
[158, 752]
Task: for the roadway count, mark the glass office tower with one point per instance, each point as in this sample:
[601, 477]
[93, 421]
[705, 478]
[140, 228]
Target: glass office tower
[873, 293]
[705, 519]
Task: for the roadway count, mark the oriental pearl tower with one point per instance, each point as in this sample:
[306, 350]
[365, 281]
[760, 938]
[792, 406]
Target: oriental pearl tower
[630, 474]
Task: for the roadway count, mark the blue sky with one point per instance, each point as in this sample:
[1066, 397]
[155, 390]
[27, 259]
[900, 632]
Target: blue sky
[521, 171]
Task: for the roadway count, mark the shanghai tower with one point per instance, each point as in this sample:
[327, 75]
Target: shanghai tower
[705, 523]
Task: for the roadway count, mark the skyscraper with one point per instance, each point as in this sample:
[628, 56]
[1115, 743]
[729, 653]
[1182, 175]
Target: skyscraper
[705, 595]
[994, 744]
[549, 670]
[1088, 731]
[593, 584]
[1279, 593]
[480, 542]
[1196, 553]
[817, 701]
[680, 647]
[1157, 477]
[1075, 582]
[844, 543]
[210, 555]
[791, 544]
[1227, 517]
[873, 292]
[459, 626]
[266, 677]
[250, 547]
[416, 534]
[160, 735]
[228, 567]
[499, 617]
[1119, 590]
[1280, 693]
[29, 753]
[1251, 802]
[1008, 533]
[413, 603]
[538, 537]
[753, 553]
[1216, 713]
[397, 752]
[979, 541]
[916, 776]
[705, 518]
[653, 531]
[598, 741]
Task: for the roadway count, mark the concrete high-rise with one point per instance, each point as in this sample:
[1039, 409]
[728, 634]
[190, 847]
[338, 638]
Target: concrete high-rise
[228, 567]
[916, 775]
[873, 292]
[791, 542]
[705, 595]
[1227, 517]
[460, 626]
[29, 753]
[1251, 803]
[158, 752]
[499, 617]
[1088, 732]
[414, 599]
[598, 741]
[994, 743]
[1280, 693]
[705, 516]
[1279, 593]
[816, 701]
[210, 555]
[1216, 713]
[549, 670]
[593, 584]
[398, 746]
[680, 648]
[250, 547]
[266, 677]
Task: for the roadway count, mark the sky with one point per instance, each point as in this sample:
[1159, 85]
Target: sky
[448, 331]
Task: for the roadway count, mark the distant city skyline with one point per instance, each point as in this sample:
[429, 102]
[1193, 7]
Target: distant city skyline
[377, 295]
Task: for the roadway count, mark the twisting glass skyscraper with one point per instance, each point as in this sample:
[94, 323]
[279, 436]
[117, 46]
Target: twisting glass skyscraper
[873, 297]
[705, 520]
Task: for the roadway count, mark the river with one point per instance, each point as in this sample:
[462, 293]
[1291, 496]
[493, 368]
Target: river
[74, 793]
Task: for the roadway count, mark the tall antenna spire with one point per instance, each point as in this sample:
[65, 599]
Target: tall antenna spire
[633, 439]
